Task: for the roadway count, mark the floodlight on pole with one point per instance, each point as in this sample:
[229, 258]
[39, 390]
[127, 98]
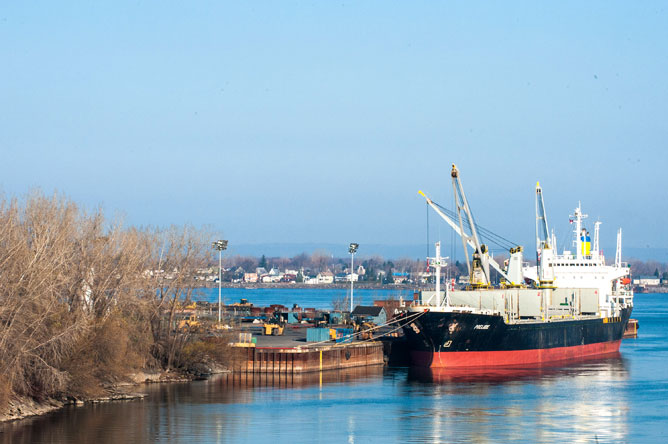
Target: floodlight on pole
[220, 245]
[352, 249]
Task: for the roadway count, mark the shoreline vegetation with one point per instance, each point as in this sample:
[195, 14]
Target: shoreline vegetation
[87, 305]
[79, 314]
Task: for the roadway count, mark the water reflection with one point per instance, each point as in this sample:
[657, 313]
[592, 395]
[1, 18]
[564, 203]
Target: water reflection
[493, 375]
[225, 408]
[277, 380]
[582, 401]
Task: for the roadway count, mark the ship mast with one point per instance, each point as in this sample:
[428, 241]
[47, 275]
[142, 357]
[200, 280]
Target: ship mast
[544, 250]
[596, 250]
[438, 262]
[577, 217]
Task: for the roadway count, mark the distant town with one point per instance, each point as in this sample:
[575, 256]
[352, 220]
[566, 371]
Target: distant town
[322, 269]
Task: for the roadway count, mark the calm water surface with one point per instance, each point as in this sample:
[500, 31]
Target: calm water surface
[619, 399]
[304, 297]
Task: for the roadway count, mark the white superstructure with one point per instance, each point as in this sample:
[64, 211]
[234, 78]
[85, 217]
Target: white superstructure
[571, 284]
[584, 268]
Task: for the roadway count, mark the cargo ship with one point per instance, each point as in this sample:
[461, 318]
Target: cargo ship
[568, 306]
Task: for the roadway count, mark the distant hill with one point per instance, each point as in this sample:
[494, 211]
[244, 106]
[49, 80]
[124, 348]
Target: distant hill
[406, 251]
[644, 254]
[336, 250]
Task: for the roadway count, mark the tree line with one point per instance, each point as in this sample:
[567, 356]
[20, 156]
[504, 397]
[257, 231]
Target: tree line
[379, 269]
[376, 268]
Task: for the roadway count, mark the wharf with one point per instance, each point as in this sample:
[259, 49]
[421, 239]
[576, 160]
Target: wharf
[290, 353]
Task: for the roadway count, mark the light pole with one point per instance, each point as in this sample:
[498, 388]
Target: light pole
[220, 245]
[352, 249]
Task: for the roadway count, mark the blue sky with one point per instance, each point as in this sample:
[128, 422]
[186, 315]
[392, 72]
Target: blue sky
[307, 122]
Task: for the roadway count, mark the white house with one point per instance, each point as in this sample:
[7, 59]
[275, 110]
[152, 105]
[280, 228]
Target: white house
[325, 277]
[646, 280]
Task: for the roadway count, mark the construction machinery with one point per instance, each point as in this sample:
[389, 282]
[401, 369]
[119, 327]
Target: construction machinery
[272, 329]
[365, 329]
[189, 322]
[274, 326]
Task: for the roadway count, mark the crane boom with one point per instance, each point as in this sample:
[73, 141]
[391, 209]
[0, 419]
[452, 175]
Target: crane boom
[542, 231]
[468, 239]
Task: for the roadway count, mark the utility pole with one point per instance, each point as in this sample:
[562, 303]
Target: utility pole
[352, 249]
[220, 245]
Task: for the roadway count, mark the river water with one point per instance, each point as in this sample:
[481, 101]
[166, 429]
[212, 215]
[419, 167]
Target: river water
[304, 297]
[618, 399]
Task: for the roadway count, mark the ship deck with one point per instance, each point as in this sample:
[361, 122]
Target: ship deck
[512, 321]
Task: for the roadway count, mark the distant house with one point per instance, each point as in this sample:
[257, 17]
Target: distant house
[646, 280]
[352, 277]
[340, 277]
[288, 277]
[250, 277]
[377, 315]
[391, 306]
[325, 277]
[271, 278]
[400, 278]
[425, 276]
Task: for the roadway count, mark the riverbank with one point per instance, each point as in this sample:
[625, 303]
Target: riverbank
[21, 407]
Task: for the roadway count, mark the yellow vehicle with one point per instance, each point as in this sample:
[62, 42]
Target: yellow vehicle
[365, 329]
[272, 329]
[188, 323]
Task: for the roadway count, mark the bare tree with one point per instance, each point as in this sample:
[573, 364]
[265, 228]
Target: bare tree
[178, 253]
[320, 260]
[63, 273]
[83, 300]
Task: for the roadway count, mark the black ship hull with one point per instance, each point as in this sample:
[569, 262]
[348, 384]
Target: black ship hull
[453, 339]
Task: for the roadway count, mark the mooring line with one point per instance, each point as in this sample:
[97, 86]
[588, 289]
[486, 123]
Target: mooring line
[412, 317]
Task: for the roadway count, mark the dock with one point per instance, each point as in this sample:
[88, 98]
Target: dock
[290, 353]
[306, 359]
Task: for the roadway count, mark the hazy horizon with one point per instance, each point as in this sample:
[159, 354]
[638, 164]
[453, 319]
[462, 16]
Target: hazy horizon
[411, 251]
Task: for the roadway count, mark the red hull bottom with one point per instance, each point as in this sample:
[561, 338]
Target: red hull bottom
[510, 357]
